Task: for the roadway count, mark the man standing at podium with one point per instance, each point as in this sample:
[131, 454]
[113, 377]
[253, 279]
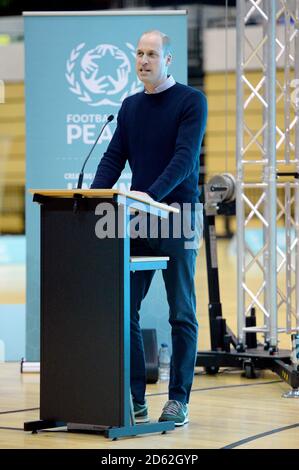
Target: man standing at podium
[159, 131]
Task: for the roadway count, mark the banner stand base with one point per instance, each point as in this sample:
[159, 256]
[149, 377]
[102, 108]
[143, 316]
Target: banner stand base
[29, 367]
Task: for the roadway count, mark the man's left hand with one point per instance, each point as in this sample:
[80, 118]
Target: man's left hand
[141, 194]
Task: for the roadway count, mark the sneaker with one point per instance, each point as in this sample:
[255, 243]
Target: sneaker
[140, 412]
[175, 411]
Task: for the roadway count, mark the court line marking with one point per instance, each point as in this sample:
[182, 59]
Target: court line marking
[233, 445]
[165, 393]
[219, 388]
[7, 428]
[17, 411]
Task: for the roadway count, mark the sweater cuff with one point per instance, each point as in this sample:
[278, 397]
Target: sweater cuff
[152, 195]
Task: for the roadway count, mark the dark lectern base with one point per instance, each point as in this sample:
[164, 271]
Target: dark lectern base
[109, 432]
[35, 426]
[114, 433]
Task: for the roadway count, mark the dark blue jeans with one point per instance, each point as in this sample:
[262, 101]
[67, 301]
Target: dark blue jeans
[179, 283]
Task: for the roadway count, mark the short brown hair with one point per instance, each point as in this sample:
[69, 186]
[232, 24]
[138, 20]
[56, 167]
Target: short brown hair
[166, 43]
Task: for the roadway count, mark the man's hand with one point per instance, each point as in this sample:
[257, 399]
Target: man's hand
[140, 194]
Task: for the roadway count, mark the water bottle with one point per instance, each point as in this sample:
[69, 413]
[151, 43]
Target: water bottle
[295, 349]
[164, 362]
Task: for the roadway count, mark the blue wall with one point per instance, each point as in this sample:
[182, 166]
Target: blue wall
[78, 70]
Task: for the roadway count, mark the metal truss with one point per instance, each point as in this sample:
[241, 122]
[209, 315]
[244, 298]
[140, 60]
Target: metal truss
[268, 143]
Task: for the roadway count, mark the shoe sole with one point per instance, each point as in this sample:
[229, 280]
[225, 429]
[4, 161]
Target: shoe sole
[141, 420]
[182, 424]
[176, 424]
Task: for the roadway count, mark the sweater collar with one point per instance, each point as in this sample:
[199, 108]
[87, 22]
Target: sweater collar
[169, 82]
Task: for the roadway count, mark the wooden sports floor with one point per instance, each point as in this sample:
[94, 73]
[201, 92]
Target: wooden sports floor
[226, 410]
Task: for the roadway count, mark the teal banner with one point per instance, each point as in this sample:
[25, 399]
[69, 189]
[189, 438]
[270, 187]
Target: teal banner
[79, 67]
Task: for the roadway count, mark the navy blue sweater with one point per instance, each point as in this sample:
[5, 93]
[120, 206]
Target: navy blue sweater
[160, 135]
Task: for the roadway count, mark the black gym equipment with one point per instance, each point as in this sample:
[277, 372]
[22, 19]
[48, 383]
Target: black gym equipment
[219, 199]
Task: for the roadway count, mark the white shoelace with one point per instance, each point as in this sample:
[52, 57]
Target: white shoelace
[172, 407]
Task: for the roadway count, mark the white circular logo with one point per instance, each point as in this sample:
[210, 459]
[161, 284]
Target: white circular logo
[101, 76]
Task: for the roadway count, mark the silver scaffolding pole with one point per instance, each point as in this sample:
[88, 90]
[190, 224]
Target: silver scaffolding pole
[239, 176]
[276, 42]
[265, 209]
[267, 205]
[296, 99]
[271, 171]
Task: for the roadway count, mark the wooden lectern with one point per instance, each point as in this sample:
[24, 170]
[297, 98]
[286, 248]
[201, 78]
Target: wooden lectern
[85, 311]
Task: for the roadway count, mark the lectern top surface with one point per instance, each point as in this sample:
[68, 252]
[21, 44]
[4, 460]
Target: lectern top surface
[70, 192]
[105, 193]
